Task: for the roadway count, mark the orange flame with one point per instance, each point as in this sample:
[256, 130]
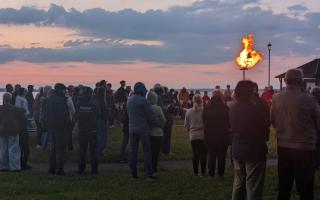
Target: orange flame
[248, 57]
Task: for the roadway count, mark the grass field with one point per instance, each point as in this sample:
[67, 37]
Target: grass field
[181, 147]
[116, 184]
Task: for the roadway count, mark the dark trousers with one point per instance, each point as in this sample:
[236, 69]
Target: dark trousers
[299, 166]
[88, 140]
[155, 151]
[217, 152]
[57, 146]
[199, 151]
[39, 132]
[166, 142]
[24, 148]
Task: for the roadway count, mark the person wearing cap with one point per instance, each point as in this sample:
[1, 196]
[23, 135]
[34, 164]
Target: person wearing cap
[141, 119]
[296, 118]
[58, 122]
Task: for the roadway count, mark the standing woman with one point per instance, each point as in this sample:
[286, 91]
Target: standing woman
[156, 132]
[194, 124]
[216, 133]
[249, 149]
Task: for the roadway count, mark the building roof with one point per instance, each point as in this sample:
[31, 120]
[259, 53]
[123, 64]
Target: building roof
[310, 69]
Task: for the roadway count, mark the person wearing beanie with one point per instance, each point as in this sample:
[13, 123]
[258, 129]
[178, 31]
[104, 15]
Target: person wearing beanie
[156, 132]
[296, 118]
[58, 123]
[141, 120]
[195, 127]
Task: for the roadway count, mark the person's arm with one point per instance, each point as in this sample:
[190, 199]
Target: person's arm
[161, 117]
[153, 121]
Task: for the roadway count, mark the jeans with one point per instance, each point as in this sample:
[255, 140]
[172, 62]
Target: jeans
[217, 152]
[248, 179]
[102, 137]
[10, 153]
[134, 145]
[85, 140]
[57, 147]
[155, 151]
[124, 143]
[296, 165]
[199, 151]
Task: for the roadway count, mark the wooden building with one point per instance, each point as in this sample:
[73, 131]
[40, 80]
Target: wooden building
[311, 72]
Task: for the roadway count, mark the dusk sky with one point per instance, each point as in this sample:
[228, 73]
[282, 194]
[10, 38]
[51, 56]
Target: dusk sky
[172, 42]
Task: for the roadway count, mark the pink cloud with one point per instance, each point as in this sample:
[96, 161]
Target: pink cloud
[189, 75]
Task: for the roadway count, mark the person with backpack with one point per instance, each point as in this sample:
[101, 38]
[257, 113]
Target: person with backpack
[87, 121]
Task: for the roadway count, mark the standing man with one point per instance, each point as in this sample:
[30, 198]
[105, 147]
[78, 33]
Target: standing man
[58, 123]
[296, 117]
[11, 121]
[30, 99]
[141, 119]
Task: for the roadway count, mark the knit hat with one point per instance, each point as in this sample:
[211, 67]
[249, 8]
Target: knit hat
[294, 76]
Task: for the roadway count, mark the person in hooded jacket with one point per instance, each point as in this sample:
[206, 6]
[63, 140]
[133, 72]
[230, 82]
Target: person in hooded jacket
[141, 119]
[216, 133]
[86, 118]
[156, 132]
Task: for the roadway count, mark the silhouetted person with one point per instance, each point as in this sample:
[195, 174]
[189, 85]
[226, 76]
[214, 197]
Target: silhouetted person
[216, 133]
[9, 88]
[86, 118]
[36, 115]
[296, 117]
[249, 149]
[12, 122]
[58, 123]
[30, 99]
[141, 119]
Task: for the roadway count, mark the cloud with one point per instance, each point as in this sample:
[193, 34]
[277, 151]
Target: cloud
[205, 32]
[297, 8]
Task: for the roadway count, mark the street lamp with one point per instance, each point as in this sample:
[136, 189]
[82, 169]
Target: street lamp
[269, 49]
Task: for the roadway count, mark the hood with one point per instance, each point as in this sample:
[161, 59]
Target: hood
[140, 89]
[152, 97]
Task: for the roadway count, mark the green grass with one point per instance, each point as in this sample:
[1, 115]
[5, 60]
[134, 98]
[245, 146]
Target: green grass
[117, 185]
[181, 147]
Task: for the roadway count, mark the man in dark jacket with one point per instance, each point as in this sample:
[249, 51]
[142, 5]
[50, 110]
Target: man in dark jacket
[86, 118]
[249, 148]
[121, 96]
[141, 119]
[12, 120]
[58, 123]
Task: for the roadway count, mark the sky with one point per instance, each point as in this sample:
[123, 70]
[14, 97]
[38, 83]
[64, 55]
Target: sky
[173, 42]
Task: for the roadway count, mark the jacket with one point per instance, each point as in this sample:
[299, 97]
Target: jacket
[12, 120]
[216, 123]
[296, 117]
[86, 115]
[249, 132]
[194, 124]
[56, 112]
[158, 113]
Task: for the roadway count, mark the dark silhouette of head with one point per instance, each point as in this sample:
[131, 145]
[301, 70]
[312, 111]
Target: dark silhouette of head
[9, 88]
[140, 89]
[244, 91]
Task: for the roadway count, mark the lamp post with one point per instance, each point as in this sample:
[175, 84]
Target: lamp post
[269, 49]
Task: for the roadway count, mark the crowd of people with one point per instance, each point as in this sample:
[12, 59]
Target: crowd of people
[240, 119]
